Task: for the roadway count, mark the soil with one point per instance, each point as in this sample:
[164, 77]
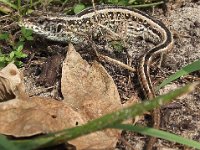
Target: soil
[181, 117]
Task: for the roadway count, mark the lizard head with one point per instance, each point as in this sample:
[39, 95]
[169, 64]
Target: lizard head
[49, 27]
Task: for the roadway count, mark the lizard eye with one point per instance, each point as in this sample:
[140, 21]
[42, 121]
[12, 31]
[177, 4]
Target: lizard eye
[41, 21]
[59, 27]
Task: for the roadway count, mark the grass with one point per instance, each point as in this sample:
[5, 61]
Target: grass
[195, 66]
[112, 120]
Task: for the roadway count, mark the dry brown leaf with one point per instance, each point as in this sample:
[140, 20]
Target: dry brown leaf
[86, 86]
[91, 91]
[25, 116]
[97, 141]
[11, 84]
[22, 118]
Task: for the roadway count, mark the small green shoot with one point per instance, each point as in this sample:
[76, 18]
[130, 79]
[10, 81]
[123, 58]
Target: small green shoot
[26, 34]
[117, 46]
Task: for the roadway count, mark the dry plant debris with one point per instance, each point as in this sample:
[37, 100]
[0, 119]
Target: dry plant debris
[88, 87]
[89, 92]
[11, 82]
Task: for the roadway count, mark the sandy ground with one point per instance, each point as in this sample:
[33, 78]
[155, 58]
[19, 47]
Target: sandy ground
[182, 116]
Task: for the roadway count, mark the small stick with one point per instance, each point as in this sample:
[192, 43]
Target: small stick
[132, 69]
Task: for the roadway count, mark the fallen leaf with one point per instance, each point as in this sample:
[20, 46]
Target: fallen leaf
[11, 83]
[91, 91]
[36, 115]
[86, 86]
[22, 116]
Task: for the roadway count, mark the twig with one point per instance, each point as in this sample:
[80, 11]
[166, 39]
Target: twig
[132, 69]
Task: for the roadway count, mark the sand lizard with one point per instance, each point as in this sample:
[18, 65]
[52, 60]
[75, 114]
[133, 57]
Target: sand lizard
[123, 21]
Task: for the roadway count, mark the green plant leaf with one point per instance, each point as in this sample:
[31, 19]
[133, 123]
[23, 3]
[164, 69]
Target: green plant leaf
[19, 63]
[23, 55]
[23, 30]
[20, 48]
[29, 38]
[159, 134]
[12, 54]
[26, 32]
[4, 36]
[18, 53]
[78, 8]
[103, 122]
[2, 58]
[184, 71]
[2, 61]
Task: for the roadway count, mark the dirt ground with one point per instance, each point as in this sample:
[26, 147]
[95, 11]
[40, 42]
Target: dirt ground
[181, 117]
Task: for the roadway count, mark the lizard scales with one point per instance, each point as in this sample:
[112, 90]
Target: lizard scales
[122, 22]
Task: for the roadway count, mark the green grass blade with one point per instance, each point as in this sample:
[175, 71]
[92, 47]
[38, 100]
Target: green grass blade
[184, 71]
[6, 2]
[103, 122]
[6, 144]
[159, 134]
